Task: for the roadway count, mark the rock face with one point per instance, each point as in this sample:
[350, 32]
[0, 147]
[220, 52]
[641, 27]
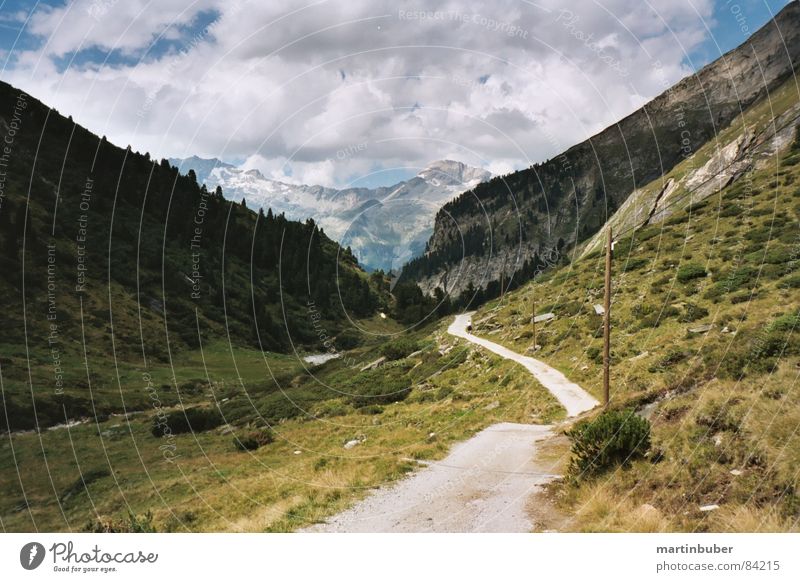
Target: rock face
[385, 227]
[519, 223]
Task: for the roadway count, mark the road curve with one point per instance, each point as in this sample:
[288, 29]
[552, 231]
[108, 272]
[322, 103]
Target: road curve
[482, 486]
[571, 396]
[484, 483]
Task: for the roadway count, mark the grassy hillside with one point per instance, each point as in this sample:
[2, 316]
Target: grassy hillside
[414, 405]
[113, 265]
[705, 343]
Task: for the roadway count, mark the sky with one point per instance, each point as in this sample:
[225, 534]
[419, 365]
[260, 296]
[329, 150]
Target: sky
[360, 92]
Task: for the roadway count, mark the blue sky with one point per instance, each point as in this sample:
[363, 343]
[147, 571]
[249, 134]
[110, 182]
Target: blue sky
[323, 94]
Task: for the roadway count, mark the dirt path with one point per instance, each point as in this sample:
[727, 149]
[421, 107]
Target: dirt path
[485, 484]
[482, 486]
[571, 396]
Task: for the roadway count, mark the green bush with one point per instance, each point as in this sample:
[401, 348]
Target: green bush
[672, 357]
[254, 440]
[194, 387]
[399, 348]
[791, 282]
[692, 312]
[349, 339]
[594, 354]
[188, 420]
[634, 264]
[788, 322]
[778, 255]
[379, 387]
[690, 271]
[616, 437]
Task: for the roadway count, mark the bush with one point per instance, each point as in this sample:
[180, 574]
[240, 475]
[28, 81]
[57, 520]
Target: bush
[131, 524]
[690, 271]
[743, 277]
[778, 255]
[672, 357]
[194, 387]
[788, 322]
[692, 312]
[634, 264]
[594, 354]
[378, 387]
[616, 437]
[349, 339]
[188, 420]
[399, 348]
[791, 282]
[254, 440]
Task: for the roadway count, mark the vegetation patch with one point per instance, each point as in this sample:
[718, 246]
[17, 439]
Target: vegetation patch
[254, 440]
[615, 437]
[197, 419]
[689, 271]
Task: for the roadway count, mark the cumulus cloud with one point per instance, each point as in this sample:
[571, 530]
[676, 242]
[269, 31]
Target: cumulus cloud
[325, 91]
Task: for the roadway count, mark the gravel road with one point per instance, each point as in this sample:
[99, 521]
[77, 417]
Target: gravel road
[484, 483]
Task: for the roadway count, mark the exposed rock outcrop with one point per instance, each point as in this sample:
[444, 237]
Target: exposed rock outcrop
[521, 222]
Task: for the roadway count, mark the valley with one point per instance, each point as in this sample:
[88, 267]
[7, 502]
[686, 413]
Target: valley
[189, 346]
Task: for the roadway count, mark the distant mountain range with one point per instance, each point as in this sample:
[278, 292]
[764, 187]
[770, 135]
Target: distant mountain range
[385, 227]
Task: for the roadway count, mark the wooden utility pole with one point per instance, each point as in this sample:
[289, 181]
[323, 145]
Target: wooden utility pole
[607, 320]
[533, 315]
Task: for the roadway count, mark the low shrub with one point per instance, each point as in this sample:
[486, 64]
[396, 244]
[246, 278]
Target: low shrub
[349, 339]
[690, 271]
[616, 437]
[379, 387]
[595, 354]
[720, 416]
[131, 524]
[784, 323]
[692, 312]
[399, 348]
[778, 255]
[635, 264]
[254, 440]
[791, 282]
[671, 358]
[188, 420]
[193, 387]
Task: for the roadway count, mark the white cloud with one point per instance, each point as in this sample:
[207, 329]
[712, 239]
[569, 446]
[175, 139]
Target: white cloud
[278, 83]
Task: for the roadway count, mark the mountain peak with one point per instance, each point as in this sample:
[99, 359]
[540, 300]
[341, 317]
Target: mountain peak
[454, 173]
[202, 166]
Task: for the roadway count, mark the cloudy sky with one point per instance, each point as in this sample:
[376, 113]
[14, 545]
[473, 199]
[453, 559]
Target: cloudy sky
[366, 91]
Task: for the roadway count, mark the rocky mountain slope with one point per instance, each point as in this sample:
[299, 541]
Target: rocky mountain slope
[385, 227]
[705, 338]
[522, 222]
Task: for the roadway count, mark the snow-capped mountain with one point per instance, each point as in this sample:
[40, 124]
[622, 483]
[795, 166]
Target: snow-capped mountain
[385, 227]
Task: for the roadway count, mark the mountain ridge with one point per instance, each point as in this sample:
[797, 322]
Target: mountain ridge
[518, 224]
[384, 226]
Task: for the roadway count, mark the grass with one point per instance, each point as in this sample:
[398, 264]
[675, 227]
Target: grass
[207, 483]
[705, 341]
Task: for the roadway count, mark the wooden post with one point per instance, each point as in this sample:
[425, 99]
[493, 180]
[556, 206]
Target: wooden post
[607, 321]
[533, 315]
